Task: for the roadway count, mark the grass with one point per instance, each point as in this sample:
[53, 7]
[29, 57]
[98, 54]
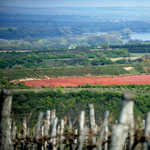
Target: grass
[139, 54]
[143, 89]
[132, 58]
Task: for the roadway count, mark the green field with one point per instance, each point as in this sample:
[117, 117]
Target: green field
[103, 70]
[138, 54]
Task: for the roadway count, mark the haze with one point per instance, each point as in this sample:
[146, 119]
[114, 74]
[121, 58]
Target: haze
[74, 3]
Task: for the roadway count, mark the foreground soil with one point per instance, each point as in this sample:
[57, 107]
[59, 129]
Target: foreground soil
[136, 79]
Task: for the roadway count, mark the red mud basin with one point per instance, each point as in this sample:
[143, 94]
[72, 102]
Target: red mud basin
[136, 79]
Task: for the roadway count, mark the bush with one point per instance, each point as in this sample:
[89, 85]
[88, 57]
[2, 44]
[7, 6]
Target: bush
[4, 81]
[17, 67]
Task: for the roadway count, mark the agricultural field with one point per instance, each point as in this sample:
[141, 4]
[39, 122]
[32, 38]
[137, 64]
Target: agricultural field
[81, 65]
[75, 71]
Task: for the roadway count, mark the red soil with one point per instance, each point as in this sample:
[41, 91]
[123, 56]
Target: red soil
[136, 79]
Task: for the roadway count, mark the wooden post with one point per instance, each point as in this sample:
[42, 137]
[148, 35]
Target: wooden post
[81, 123]
[106, 138]
[14, 130]
[53, 115]
[70, 125]
[131, 133]
[101, 136]
[48, 115]
[120, 131]
[61, 136]
[42, 134]
[82, 120]
[38, 128]
[92, 123]
[53, 133]
[146, 144]
[24, 125]
[82, 138]
[76, 132]
[47, 126]
[5, 109]
[144, 124]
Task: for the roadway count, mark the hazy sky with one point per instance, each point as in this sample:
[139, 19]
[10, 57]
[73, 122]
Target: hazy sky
[74, 3]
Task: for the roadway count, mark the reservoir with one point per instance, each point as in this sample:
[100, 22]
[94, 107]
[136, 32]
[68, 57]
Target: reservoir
[138, 35]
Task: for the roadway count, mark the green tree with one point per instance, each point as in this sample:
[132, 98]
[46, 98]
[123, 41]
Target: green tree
[39, 60]
[105, 46]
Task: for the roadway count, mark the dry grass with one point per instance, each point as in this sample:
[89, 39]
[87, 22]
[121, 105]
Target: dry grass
[132, 58]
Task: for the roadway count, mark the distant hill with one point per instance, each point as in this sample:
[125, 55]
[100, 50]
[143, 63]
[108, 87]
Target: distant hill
[73, 10]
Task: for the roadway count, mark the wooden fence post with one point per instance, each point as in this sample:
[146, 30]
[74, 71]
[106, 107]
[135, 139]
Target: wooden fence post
[92, 124]
[106, 138]
[120, 131]
[42, 134]
[61, 134]
[146, 144]
[81, 124]
[70, 125]
[53, 115]
[48, 116]
[5, 109]
[24, 126]
[131, 133]
[14, 130]
[53, 133]
[38, 128]
[144, 124]
[82, 138]
[81, 121]
[101, 136]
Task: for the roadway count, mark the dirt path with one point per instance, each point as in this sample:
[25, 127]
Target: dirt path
[135, 79]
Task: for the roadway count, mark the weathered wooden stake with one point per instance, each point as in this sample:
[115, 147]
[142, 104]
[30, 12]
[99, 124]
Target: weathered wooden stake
[48, 116]
[101, 136]
[81, 121]
[24, 125]
[106, 138]
[53, 115]
[14, 130]
[42, 134]
[61, 136]
[70, 125]
[146, 144]
[38, 128]
[82, 138]
[120, 131]
[5, 109]
[144, 124]
[131, 134]
[53, 133]
[92, 123]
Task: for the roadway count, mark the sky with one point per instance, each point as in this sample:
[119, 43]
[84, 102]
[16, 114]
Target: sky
[74, 3]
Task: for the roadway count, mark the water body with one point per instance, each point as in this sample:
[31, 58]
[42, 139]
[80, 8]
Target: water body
[144, 36]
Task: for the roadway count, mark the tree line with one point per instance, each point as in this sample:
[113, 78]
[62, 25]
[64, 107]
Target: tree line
[25, 103]
[20, 60]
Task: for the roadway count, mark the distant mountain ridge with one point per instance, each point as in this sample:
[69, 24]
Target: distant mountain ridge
[72, 10]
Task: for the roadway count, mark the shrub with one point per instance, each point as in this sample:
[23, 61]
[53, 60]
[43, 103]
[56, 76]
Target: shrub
[17, 67]
[4, 81]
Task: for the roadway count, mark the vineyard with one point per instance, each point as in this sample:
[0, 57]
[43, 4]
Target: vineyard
[51, 133]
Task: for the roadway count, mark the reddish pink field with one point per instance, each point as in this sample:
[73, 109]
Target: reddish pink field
[136, 79]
